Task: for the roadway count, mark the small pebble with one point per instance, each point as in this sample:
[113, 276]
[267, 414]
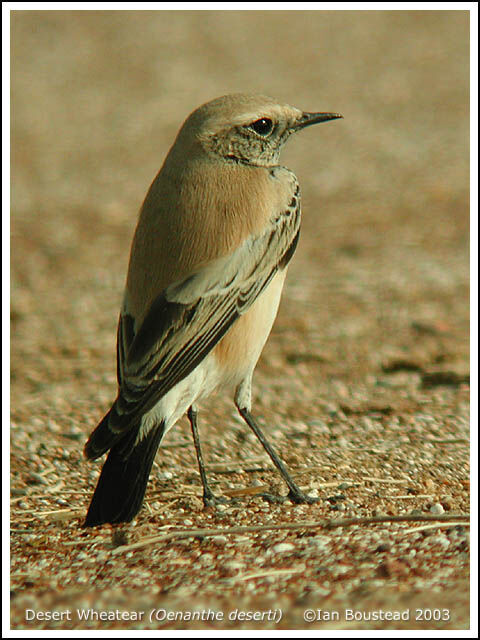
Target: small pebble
[283, 547]
[321, 542]
[437, 509]
[233, 565]
[206, 558]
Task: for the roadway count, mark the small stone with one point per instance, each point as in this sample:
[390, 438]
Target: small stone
[283, 547]
[437, 509]
[206, 558]
[321, 542]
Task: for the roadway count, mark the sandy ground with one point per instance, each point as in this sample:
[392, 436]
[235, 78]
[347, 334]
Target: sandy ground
[364, 383]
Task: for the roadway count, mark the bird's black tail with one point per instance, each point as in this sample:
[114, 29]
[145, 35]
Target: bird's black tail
[123, 480]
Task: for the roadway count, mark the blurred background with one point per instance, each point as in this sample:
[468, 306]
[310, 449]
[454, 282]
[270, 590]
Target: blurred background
[375, 313]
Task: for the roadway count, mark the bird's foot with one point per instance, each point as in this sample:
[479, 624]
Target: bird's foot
[273, 499]
[298, 497]
[209, 500]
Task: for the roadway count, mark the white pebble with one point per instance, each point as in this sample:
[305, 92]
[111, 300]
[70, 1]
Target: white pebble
[206, 558]
[283, 547]
[437, 509]
[321, 542]
[232, 565]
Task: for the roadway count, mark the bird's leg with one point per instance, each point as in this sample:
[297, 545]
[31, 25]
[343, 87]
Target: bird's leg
[295, 494]
[209, 499]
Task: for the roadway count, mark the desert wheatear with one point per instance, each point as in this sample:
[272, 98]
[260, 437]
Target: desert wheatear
[216, 231]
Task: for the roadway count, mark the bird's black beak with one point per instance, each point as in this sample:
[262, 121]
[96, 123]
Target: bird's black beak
[306, 119]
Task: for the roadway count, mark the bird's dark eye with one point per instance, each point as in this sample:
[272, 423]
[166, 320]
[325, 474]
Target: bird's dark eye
[263, 126]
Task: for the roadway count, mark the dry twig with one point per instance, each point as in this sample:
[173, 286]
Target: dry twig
[444, 525]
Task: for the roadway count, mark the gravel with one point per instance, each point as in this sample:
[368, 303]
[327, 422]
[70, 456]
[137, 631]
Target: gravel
[363, 385]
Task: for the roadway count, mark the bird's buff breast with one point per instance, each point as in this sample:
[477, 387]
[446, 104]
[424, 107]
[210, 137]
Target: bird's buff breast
[237, 353]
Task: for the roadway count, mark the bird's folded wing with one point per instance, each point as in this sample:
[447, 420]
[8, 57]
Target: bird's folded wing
[188, 318]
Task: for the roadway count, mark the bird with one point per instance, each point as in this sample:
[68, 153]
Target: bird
[215, 234]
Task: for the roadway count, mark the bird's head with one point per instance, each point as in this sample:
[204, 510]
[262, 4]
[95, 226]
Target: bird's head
[249, 129]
